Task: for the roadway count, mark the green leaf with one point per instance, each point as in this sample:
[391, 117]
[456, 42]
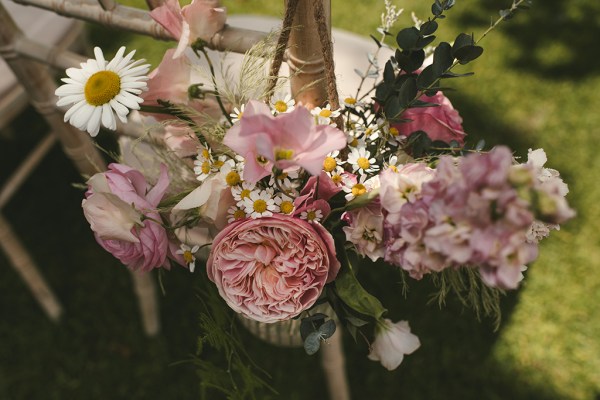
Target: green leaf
[327, 329]
[467, 54]
[427, 77]
[312, 343]
[383, 91]
[392, 107]
[407, 38]
[407, 92]
[424, 41]
[388, 72]
[410, 61]
[442, 58]
[362, 200]
[355, 296]
[376, 41]
[356, 321]
[462, 40]
[450, 74]
[436, 9]
[428, 28]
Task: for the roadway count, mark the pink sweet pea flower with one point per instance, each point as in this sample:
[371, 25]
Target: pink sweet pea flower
[146, 245]
[199, 20]
[392, 342]
[287, 140]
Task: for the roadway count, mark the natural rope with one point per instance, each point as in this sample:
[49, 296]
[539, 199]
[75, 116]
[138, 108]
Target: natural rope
[327, 49]
[282, 42]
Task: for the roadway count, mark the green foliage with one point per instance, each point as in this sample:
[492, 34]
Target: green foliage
[236, 377]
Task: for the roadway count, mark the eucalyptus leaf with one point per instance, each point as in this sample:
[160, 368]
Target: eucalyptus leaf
[392, 107]
[388, 72]
[356, 321]
[428, 28]
[327, 329]
[376, 40]
[467, 54]
[427, 77]
[462, 40]
[424, 42]
[407, 92]
[442, 58]
[312, 343]
[407, 38]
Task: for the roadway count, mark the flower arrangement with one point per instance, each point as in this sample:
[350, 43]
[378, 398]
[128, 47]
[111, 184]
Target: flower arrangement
[287, 196]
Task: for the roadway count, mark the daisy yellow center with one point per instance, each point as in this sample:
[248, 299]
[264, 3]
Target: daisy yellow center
[282, 176]
[218, 164]
[240, 115]
[311, 215]
[363, 163]
[260, 206]
[350, 100]
[232, 178]
[281, 106]
[394, 131]
[394, 168]
[205, 167]
[325, 113]
[102, 87]
[188, 257]
[369, 131]
[239, 214]
[329, 164]
[245, 193]
[205, 154]
[354, 142]
[286, 207]
[284, 154]
[336, 178]
[359, 189]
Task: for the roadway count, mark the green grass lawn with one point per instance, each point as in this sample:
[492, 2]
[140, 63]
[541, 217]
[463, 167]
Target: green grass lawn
[535, 86]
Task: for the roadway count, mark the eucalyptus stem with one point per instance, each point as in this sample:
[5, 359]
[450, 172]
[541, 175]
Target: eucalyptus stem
[512, 9]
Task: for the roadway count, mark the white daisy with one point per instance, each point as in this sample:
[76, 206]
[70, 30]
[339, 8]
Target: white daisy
[240, 192]
[337, 176]
[312, 215]
[354, 188]
[259, 204]
[285, 204]
[237, 113]
[282, 104]
[360, 159]
[235, 213]
[323, 116]
[99, 90]
[351, 102]
[189, 255]
[287, 180]
[331, 162]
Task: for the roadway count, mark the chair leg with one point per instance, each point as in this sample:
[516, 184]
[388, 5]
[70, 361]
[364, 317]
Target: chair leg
[145, 290]
[24, 265]
[332, 359]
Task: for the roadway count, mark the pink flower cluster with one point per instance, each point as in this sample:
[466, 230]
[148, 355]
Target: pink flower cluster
[121, 209]
[476, 210]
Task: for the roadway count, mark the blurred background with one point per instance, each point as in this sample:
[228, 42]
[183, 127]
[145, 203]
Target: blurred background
[535, 86]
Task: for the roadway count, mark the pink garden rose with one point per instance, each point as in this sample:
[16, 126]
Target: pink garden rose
[199, 20]
[440, 123]
[146, 245]
[273, 268]
[283, 141]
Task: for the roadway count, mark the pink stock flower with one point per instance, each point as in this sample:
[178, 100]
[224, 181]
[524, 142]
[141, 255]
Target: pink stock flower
[392, 342]
[287, 140]
[148, 245]
[440, 123]
[273, 268]
[400, 185]
[365, 231]
[199, 20]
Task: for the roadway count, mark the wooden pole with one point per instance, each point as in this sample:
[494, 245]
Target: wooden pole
[304, 55]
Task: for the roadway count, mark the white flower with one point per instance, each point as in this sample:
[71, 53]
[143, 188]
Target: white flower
[285, 204]
[235, 213]
[312, 215]
[337, 176]
[237, 113]
[360, 159]
[331, 162]
[99, 90]
[392, 342]
[242, 191]
[282, 104]
[351, 102]
[354, 188]
[189, 255]
[323, 116]
[259, 204]
[287, 180]
[366, 232]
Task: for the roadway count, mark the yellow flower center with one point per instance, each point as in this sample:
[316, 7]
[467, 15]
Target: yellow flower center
[102, 87]
[232, 178]
[240, 115]
[325, 113]
[394, 131]
[188, 257]
[311, 215]
[260, 206]
[350, 100]
[218, 164]
[369, 131]
[283, 154]
[336, 178]
[205, 154]
[363, 163]
[358, 189]
[286, 207]
[281, 106]
[205, 167]
[282, 176]
[239, 214]
[245, 193]
[394, 168]
[329, 164]
[354, 142]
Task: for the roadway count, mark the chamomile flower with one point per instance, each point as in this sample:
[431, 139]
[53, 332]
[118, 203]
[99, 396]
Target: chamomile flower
[99, 90]
[203, 165]
[360, 159]
[259, 203]
[242, 191]
[355, 188]
[189, 255]
[282, 104]
[331, 162]
[351, 102]
[287, 180]
[312, 215]
[285, 204]
[235, 213]
[354, 139]
[237, 113]
[323, 116]
[337, 176]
